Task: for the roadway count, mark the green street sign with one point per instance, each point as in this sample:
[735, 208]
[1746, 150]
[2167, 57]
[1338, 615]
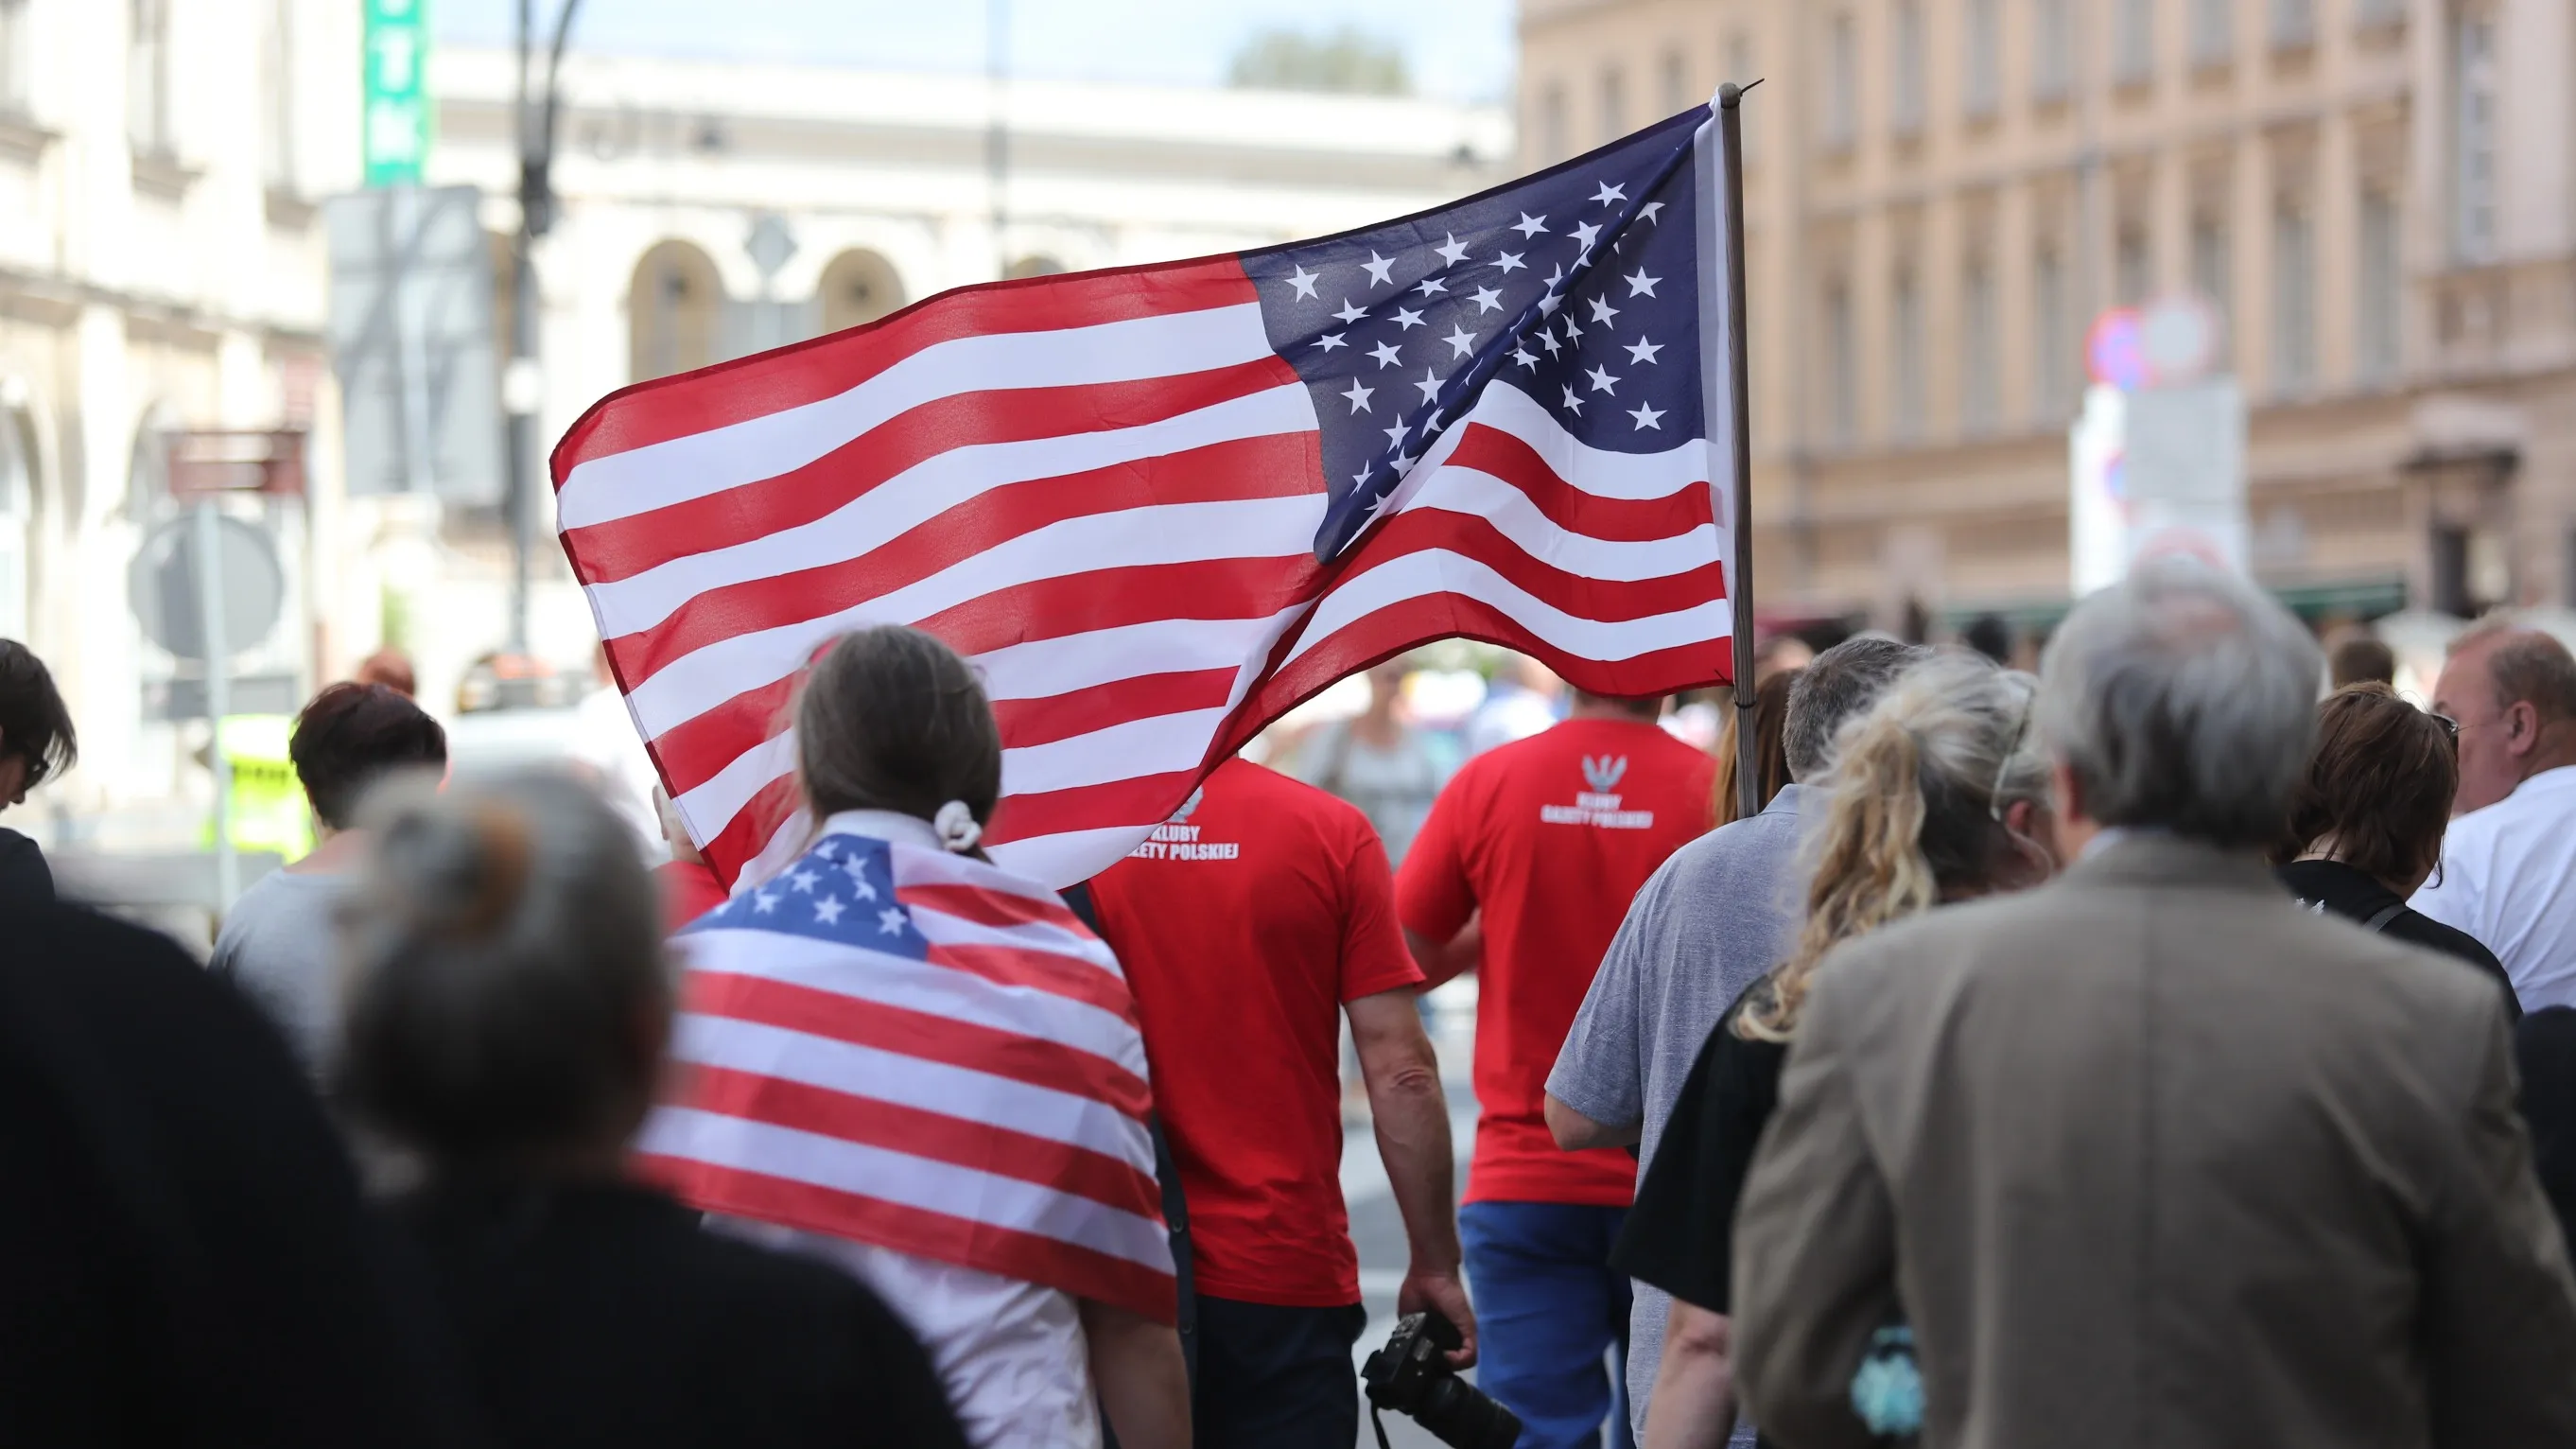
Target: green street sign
[394, 126]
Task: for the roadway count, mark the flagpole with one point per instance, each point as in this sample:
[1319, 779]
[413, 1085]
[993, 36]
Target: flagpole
[1739, 581]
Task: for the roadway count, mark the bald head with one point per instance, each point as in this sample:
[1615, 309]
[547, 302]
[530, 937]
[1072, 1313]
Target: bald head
[2513, 692]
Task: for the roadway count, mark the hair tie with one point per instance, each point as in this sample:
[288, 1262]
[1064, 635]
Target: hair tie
[957, 829]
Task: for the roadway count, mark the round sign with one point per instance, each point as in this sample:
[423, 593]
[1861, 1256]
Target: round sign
[162, 586]
[2112, 352]
[2179, 337]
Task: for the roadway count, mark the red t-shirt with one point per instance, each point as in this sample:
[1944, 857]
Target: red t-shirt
[1243, 925]
[1550, 837]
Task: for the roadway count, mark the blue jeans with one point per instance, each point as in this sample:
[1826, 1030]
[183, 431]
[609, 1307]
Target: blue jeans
[1548, 1308]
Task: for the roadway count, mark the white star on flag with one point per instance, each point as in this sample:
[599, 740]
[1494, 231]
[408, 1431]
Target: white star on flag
[1395, 435]
[1574, 403]
[1455, 252]
[1584, 232]
[1329, 341]
[1508, 262]
[1350, 314]
[1460, 343]
[1602, 311]
[1642, 351]
[1432, 286]
[1407, 318]
[1430, 384]
[1526, 358]
[828, 910]
[1649, 209]
[1548, 340]
[1304, 282]
[803, 880]
[1646, 417]
[1487, 300]
[1610, 195]
[1359, 396]
[1602, 381]
[764, 902]
[890, 921]
[1639, 284]
[1530, 225]
[1376, 267]
[1386, 354]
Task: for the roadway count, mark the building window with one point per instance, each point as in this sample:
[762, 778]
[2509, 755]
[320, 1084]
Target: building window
[1614, 105]
[2133, 42]
[2212, 272]
[1842, 390]
[858, 287]
[2294, 24]
[674, 309]
[2382, 280]
[277, 84]
[2294, 299]
[2052, 50]
[1551, 125]
[2051, 344]
[2474, 86]
[1905, 96]
[1842, 84]
[17, 72]
[1905, 348]
[1978, 390]
[2134, 266]
[1677, 86]
[2370, 14]
[147, 77]
[2213, 31]
[1984, 66]
[1740, 69]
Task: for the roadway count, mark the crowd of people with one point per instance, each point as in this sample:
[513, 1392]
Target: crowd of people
[2146, 1050]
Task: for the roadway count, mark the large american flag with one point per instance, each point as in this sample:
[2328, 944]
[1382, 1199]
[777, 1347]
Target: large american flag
[903, 1047]
[1159, 506]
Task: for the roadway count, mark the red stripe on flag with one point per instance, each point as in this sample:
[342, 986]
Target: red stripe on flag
[1052, 972]
[1142, 800]
[931, 1037]
[1243, 468]
[999, 909]
[935, 1136]
[628, 546]
[1028, 1257]
[772, 382]
[1027, 722]
[1622, 520]
[1470, 536]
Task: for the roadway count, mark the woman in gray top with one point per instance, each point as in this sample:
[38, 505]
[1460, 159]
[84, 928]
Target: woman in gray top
[276, 940]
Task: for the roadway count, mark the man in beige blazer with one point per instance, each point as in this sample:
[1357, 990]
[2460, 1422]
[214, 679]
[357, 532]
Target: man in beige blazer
[2150, 1156]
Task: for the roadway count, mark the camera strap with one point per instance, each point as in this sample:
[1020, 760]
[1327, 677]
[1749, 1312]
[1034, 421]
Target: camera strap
[1379, 1425]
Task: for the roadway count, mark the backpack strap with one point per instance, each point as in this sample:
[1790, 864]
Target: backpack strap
[2379, 921]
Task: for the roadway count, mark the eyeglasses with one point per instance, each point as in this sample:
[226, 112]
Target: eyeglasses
[2450, 726]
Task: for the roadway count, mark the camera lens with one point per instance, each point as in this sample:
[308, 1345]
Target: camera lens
[1465, 1417]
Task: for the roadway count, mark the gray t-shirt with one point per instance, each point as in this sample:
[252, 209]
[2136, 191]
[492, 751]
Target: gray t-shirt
[277, 945]
[1724, 909]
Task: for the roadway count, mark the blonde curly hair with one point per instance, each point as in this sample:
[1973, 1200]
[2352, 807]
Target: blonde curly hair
[1915, 804]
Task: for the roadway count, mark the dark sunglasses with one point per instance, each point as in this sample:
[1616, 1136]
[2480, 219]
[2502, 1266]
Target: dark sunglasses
[2450, 726]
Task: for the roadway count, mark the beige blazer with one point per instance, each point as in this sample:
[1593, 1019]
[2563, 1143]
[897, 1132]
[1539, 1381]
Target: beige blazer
[2151, 1156]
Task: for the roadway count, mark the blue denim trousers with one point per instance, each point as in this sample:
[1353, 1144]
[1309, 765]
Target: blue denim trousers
[1548, 1311]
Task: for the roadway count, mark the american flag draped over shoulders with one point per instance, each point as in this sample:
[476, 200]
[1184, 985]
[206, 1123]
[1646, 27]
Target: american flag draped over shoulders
[1159, 506]
[903, 1047]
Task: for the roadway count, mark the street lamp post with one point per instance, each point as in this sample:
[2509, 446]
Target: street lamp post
[521, 387]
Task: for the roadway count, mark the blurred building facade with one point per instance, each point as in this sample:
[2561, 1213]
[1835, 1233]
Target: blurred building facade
[711, 209]
[161, 270]
[1942, 194]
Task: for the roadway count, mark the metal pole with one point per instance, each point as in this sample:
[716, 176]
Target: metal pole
[521, 391]
[997, 140]
[219, 701]
[1739, 583]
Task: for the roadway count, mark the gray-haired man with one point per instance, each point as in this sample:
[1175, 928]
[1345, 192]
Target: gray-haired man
[1722, 911]
[2172, 1160]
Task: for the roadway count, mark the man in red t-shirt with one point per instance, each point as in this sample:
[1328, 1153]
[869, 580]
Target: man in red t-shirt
[1248, 925]
[1542, 843]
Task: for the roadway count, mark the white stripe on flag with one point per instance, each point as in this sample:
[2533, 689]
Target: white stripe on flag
[621, 485]
[1439, 571]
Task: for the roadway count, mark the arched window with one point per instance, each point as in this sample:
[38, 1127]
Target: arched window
[673, 311]
[1038, 265]
[858, 287]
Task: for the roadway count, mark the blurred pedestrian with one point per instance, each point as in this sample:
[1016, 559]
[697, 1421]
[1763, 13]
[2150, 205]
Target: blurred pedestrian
[1990, 636]
[184, 1257]
[1289, 888]
[508, 1005]
[606, 742]
[1770, 746]
[1721, 912]
[1936, 793]
[391, 668]
[2366, 822]
[276, 940]
[1520, 700]
[2360, 658]
[2508, 873]
[1378, 761]
[1779, 654]
[37, 743]
[1545, 842]
[920, 1067]
[2144, 1156]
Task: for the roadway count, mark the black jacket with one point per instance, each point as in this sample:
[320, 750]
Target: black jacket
[2344, 891]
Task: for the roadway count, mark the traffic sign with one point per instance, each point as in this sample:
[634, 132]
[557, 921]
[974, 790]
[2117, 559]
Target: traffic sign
[163, 586]
[2111, 350]
[2178, 337]
[395, 115]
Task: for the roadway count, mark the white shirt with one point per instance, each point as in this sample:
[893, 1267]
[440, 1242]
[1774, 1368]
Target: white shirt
[2508, 877]
[1011, 1354]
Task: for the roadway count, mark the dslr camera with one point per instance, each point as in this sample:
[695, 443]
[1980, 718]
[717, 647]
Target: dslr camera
[1411, 1375]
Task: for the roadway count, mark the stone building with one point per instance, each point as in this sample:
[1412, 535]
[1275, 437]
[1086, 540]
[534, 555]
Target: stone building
[1942, 194]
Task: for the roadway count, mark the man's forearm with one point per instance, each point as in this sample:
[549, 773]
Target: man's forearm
[1412, 1119]
[1693, 1402]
